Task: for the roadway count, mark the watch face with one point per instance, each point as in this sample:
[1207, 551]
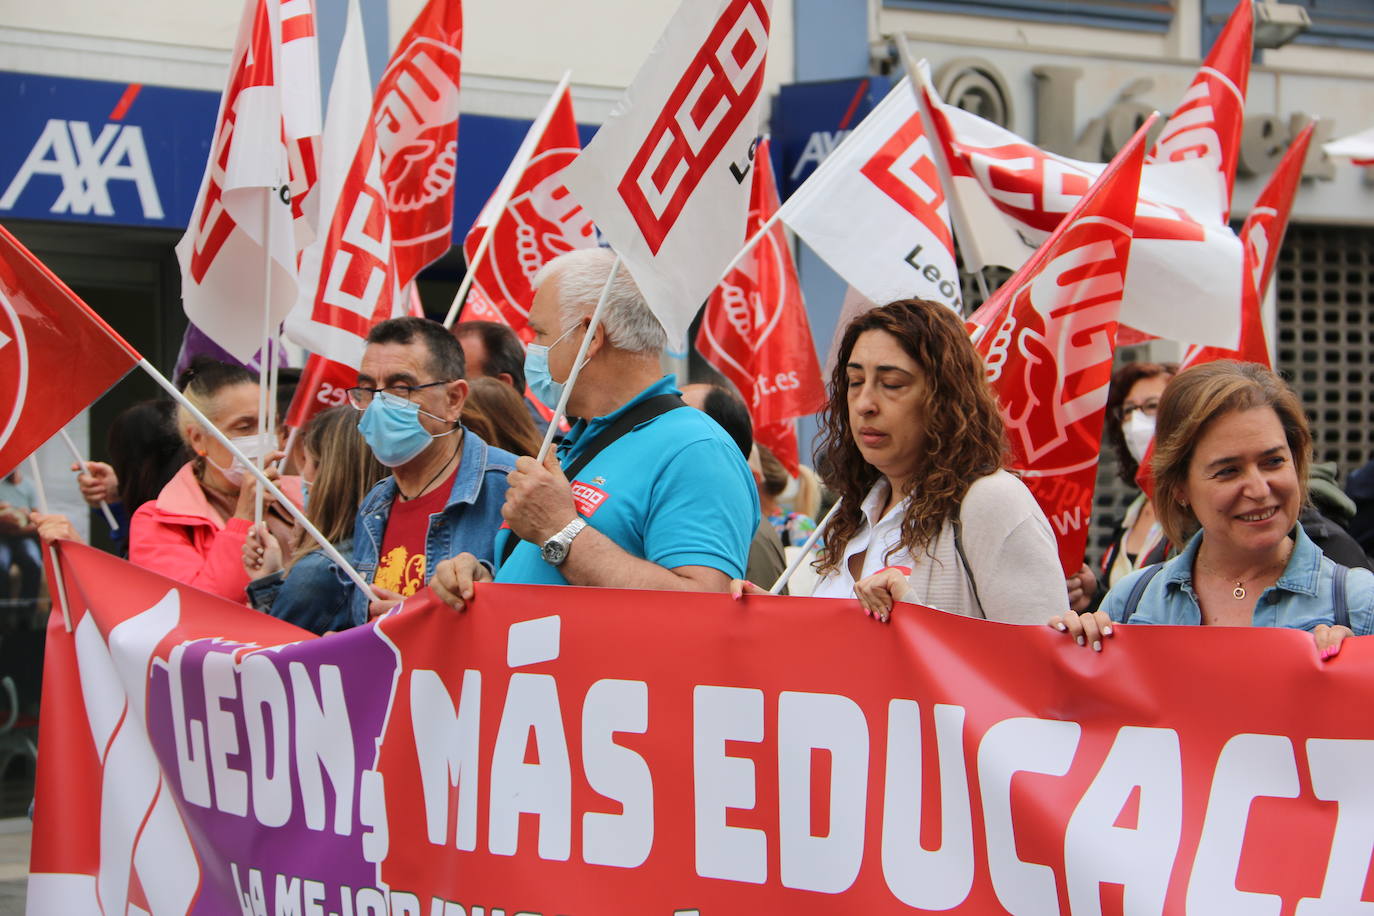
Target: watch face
[554, 552]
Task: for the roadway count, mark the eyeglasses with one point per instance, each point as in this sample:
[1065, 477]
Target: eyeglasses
[1148, 408]
[361, 397]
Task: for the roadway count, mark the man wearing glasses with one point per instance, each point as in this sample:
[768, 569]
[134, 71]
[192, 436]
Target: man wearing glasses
[447, 486]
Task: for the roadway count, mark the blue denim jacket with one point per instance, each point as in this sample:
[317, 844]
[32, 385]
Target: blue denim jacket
[1300, 599]
[467, 524]
[314, 595]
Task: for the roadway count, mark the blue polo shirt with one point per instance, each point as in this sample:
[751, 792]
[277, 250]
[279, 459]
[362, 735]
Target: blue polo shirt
[674, 490]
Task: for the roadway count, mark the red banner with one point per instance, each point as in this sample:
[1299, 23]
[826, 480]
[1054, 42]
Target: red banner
[775, 755]
[1048, 335]
[755, 332]
[56, 355]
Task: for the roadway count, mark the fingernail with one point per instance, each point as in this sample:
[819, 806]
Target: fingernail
[1097, 645]
[1061, 627]
[736, 595]
[1082, 641]
[867, 612]
[1106, 631]
[1328, 652]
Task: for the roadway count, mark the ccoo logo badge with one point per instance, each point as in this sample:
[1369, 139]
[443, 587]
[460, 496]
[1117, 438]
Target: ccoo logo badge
[14, 363]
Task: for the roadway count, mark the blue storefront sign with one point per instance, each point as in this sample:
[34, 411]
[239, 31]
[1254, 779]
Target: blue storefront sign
[810, 120]
[90, 151]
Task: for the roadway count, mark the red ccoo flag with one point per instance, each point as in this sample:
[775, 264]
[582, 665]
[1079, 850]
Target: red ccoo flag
[45, 330]
[539, 221]
[1050, 333]
[755, 330]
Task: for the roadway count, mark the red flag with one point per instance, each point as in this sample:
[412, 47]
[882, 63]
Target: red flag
[56, 355]
[1048, 344]
[1207, 122]
[1263, 235]
[539, 221]
[755, 332]
[324, 384]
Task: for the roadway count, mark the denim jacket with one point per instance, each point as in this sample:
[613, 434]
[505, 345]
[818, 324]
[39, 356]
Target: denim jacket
[314, 595]
[467, 524]
[1300, 599]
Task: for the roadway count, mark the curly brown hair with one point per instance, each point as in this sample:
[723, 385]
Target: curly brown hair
[964, 436]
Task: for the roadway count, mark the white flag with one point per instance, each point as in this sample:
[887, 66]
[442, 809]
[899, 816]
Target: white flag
[667, 177]
[1359, 148]
[1185, 266]
[262, 154]
[876, 211]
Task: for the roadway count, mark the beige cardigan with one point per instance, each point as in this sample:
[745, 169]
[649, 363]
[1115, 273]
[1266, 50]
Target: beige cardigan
[1008, 542]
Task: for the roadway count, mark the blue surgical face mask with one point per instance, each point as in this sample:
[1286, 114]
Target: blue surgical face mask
[537, 376]
[391, 426]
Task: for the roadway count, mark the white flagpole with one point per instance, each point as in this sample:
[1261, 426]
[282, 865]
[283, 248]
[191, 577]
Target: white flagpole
[517, 166]
[52, 554]
[805, 551]
[329, 549]
[560, 411]
[76, 454]
[264, 353]
[749, 244]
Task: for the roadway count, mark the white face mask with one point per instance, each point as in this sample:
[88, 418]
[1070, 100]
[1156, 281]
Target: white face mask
[262, 444]
[1139, 430]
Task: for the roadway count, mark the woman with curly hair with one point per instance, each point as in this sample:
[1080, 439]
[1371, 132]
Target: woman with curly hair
[914, 446]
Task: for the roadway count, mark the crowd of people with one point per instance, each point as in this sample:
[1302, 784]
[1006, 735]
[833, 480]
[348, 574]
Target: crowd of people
[430, 476]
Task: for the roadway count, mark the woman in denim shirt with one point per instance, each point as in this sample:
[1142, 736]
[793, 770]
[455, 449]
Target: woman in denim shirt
[311, 591]
[1231, 457]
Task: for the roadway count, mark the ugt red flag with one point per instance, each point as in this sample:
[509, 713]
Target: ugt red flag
[664, 177]
[1050, 334]
[45, 331]
[539, 221]
[387, 185]
[1262, 236]
[255, 210]
[755, 330]
[876, 208]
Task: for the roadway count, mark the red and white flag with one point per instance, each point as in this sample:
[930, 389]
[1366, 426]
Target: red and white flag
[1050, 332]
[539, 221]
[755, 332]
[1358, 148]
[1184, 258]
[876, 210]
[257, 201]
[45, 332]
[666, 177]
[1208, 120]
[1263, 237]
[387, 192]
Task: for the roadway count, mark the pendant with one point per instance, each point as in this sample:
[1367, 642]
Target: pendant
[1239, 592]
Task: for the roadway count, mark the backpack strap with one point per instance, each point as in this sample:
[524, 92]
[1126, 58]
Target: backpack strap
[1137, 590]
[642, 412]
[963, 560]
[1340, 608]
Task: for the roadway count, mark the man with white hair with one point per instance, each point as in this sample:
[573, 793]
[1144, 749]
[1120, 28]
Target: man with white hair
[643, 492]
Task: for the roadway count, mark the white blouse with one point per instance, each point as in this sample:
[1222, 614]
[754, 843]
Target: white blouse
[1011, 552]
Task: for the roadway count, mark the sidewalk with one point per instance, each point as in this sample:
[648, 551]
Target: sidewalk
[14, 864]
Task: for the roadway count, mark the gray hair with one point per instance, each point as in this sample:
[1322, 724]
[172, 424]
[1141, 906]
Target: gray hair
[579, 277]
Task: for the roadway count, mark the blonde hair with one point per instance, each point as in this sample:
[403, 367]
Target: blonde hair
[347, 471]
[1192, 401]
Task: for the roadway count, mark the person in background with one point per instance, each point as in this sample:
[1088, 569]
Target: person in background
[309, 589]
[496, 413]
[658, 497]
[914, 445]
[766, 560]
[1230, 467]
[19, 543]
[492, 350]
[793, 527]
[446, 487]
[195, 529]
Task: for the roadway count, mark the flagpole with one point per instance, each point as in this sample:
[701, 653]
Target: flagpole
[749, 244]
[266, 342]
[52, 553]
[329, 549]
[561, 410]
[805, 551]
[76, 454]
[958, 220]
[536, 130]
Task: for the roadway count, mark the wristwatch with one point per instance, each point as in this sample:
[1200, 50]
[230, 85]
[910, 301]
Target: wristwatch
[555, 549]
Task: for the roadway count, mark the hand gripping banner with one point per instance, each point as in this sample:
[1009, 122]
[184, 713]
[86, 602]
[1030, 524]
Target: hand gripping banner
[580, 751]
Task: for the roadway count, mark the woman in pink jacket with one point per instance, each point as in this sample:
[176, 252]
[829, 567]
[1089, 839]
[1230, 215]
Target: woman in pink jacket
[194, 531]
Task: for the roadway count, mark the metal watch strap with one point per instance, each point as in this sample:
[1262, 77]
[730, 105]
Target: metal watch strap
[565, 537]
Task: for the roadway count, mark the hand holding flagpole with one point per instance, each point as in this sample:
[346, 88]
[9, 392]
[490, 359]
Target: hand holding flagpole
[81, 464]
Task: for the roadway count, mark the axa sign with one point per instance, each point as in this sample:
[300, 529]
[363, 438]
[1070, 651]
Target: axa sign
[86, 162]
